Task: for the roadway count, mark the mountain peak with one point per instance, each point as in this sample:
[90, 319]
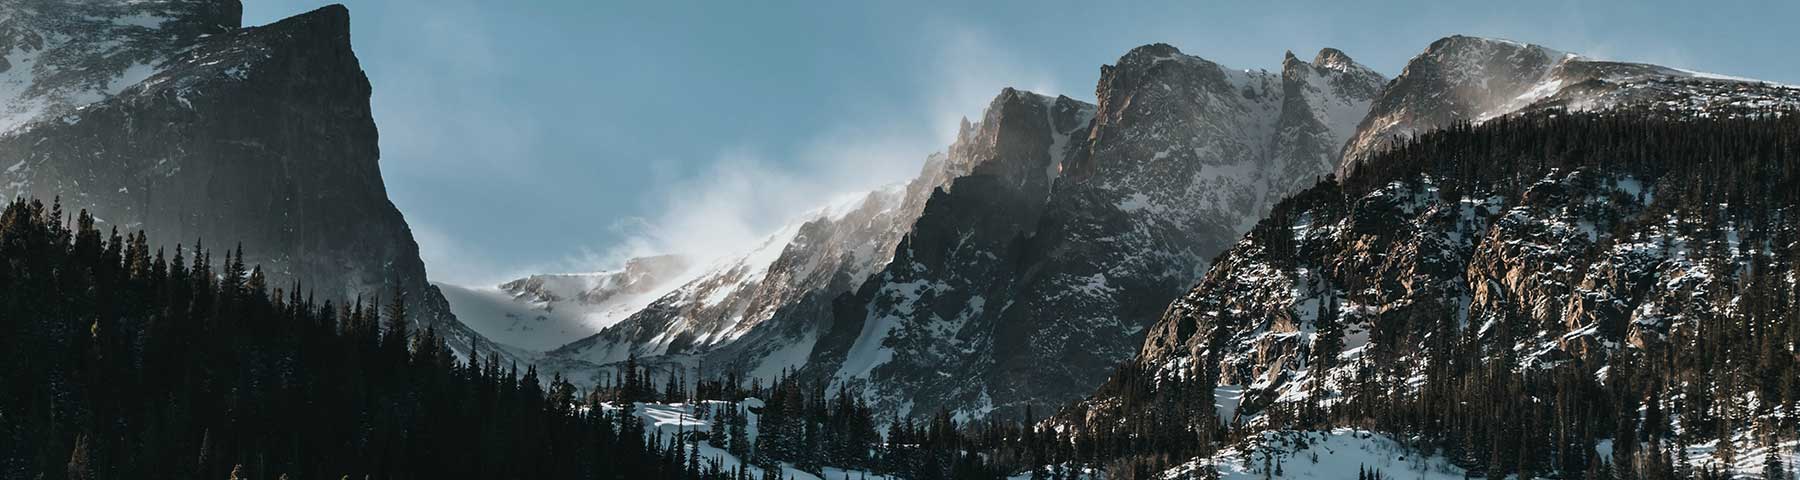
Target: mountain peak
[1154, 50]
[1144, 57]
[1331, 58]
[1473, 44]
[332, 21]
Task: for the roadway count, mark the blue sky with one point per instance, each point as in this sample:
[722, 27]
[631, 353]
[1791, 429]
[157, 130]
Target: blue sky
[564, 135]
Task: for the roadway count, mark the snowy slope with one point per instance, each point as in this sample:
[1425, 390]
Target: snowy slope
[58, 56]
[1340, 453]
[674, 420]
[1333, 455]
[739, 309]
[542, 312]
[1462, 78]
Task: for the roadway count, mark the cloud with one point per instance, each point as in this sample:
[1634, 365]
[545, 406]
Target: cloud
[967, 68]
[750, 191]
[744, 195]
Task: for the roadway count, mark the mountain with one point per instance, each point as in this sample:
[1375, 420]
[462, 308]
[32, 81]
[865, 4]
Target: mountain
[542, 312]
[1598, 263]
[1002, 298]
[1623, 247]
[1044, 208]
[1406, 241]
[1461, 78]
[764, 310]
[170, 116]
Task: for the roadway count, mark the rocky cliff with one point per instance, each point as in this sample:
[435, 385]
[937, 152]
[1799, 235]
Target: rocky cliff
[169, 116]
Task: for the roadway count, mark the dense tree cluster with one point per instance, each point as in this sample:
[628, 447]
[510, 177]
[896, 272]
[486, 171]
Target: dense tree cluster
[120, 361]
[800, 423]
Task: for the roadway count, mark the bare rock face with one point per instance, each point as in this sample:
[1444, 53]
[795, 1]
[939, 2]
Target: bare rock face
[166, 116]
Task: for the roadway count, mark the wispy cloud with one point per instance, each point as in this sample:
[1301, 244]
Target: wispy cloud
[747, 192]
[968, 67]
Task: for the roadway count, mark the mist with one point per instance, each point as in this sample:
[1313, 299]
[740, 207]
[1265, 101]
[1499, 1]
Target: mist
[747, 193]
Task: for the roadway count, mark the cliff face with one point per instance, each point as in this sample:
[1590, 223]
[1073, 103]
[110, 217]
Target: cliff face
[261, 136]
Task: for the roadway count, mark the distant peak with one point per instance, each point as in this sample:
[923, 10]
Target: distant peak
[1010, 95]
[1155, 49]
[1462, 42]
[1150, 54]
[1331, 58]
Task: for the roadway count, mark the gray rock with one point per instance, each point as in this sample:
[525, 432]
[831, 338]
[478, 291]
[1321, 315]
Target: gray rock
[258, 135]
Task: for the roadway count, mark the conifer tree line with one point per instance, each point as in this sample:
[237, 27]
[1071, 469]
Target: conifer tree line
[1729, 369]
[803, 424]
[120, 360]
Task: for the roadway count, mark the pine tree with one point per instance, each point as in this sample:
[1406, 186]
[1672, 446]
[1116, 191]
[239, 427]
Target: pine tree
[394, 334]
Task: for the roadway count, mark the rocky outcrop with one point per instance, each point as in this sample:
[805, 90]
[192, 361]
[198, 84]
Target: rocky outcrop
[224, 135]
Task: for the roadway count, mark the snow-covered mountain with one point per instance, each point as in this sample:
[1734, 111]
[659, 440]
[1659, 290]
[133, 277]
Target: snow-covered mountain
[1028, 258]
[168, 115]
[1008, 298]
[542, 312]
[764, 310]
[1538, 240]
[1036, 252]
[1473, 79]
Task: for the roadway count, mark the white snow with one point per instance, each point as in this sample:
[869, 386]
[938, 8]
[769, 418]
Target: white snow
[16, 107]
[674, 419]
[540, 326]
[1715, 76]
[140, 20]
[1226, 399]
[790, 355]
[1334, 455]
[868, 351]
